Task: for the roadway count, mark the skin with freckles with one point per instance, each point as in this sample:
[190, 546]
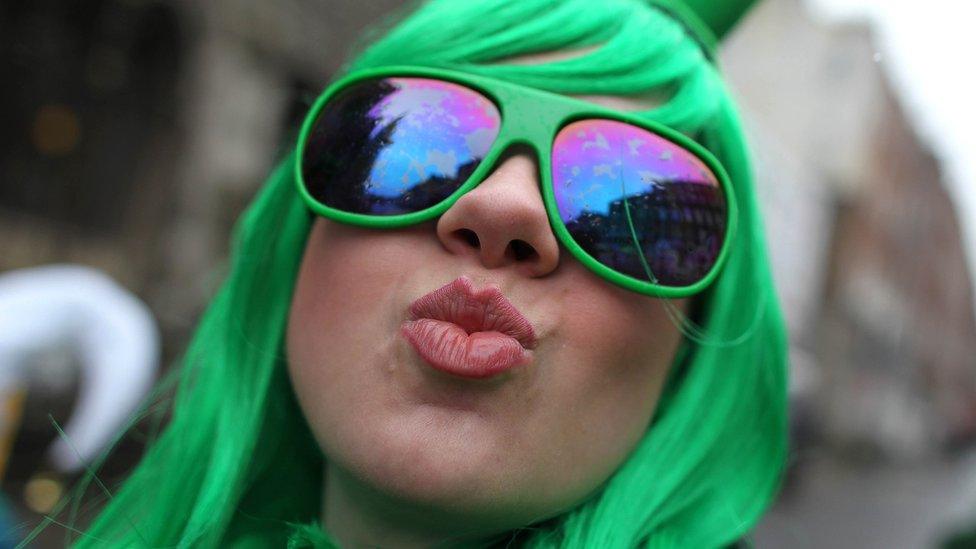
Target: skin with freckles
[415, 455]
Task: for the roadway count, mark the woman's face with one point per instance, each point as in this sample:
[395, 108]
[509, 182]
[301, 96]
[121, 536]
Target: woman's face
[461, 454]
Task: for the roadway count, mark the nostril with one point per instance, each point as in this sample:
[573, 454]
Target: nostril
[469, 236]
[523, 250]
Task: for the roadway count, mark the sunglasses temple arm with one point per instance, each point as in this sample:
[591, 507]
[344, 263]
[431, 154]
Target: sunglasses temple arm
[633, 232]
[637, 246]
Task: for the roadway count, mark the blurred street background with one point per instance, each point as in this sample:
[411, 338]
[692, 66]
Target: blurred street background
[134, 132]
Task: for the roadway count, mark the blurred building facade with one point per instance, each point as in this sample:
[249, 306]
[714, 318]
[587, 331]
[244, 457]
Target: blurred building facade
[864, 238]
[137, 130]
[874, 284]
[898, 337]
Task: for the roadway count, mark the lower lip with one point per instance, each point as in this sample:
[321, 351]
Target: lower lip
[448, 348]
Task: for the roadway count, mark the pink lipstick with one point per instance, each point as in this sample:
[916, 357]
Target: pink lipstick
[469, 333]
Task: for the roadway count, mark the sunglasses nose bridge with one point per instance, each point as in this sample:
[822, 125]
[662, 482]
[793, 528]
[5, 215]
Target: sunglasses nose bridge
[529, 118]
[503, 220]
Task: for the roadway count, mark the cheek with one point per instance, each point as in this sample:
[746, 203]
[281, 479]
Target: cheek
[630, 335]
[345, 284]
[619, 351]
[337, 318]
[332, 281]
[352, 266]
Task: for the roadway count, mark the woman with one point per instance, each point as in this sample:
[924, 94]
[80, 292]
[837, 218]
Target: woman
[466, 375]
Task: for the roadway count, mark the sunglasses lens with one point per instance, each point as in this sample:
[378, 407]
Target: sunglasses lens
[637, 202]
[397, 145]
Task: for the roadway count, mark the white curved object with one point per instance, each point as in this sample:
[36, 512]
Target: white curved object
[113, 332]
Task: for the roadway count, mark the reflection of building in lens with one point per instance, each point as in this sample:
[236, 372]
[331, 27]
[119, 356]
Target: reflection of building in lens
[679, 225]
[343, 146]
[432, 190]
[348, 155]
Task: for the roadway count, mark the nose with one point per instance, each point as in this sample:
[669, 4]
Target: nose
[502, 222]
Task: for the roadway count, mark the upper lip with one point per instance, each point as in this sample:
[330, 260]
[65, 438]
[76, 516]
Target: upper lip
[473, 310]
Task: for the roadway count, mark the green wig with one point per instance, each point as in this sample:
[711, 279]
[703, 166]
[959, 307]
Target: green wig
[236, 465]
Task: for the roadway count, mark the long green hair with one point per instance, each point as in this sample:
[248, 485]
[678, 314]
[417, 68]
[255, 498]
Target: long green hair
[237, 465]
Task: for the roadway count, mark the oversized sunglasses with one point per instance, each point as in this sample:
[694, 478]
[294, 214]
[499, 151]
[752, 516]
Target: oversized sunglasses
[638, 203]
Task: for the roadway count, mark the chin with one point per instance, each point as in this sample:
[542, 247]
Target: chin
[439, 454]
[442, 463]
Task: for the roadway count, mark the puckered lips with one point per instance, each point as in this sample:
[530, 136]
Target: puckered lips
[469, 333]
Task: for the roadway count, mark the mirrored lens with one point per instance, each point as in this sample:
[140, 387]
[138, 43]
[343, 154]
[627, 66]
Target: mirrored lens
[397, 145]
[638, 203]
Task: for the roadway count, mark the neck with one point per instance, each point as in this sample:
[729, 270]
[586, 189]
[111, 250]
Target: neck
[358, 516]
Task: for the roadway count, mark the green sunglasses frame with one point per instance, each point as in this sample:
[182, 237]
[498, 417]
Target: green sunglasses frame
[533, 118]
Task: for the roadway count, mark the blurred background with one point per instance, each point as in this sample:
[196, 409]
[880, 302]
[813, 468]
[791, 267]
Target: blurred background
[134, 132]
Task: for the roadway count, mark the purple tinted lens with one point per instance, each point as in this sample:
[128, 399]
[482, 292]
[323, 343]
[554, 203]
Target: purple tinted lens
[636, 201]
[397, 145]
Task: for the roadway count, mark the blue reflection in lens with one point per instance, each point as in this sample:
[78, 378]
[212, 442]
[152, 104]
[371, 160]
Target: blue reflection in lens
[637, 202]
[397, 145]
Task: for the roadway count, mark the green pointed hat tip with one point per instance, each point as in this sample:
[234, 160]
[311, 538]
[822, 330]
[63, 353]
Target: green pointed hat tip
[708, 20]
[719, 15]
